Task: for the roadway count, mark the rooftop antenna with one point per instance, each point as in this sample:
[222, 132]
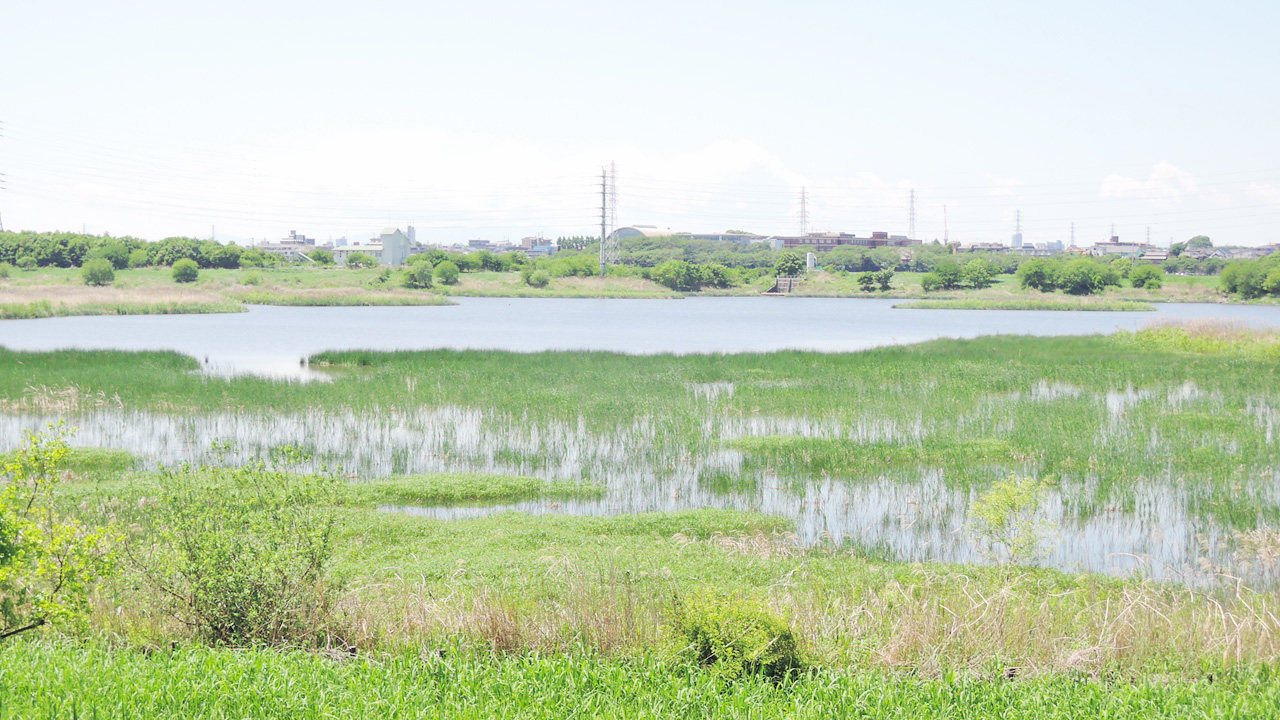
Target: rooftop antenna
[804, 211]
[911, 215]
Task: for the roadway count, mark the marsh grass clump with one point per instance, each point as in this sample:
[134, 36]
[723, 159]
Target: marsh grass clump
[454, 488]
[735, 636]
[1205, 337]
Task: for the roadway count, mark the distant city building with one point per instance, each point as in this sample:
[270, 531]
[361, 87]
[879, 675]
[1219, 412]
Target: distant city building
[391, 247]
[1115, 247]
[1017, 240]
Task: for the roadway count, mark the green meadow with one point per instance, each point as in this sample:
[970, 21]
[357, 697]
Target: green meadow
[459, 534]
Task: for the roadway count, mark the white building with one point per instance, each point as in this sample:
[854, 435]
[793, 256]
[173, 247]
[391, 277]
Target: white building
[391, 247]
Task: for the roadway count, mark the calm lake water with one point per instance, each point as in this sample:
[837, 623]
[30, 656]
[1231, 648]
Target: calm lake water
[272, 340]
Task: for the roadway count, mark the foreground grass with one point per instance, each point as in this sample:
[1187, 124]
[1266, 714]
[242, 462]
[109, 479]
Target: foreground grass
[1101, 305]
[56, 680]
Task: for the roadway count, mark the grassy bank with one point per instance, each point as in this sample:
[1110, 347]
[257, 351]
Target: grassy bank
[1051, 303]
[94, 681]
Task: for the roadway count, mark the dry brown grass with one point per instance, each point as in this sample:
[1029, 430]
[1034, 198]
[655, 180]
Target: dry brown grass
[74, 295]
[924, 621]
[43, 399]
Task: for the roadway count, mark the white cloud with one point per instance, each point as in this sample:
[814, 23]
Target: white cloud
[1167, 185]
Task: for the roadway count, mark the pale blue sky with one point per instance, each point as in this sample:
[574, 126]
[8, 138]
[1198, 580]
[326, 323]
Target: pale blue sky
[492, 119]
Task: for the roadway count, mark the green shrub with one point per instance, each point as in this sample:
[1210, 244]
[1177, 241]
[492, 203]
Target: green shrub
[48, 563]
[360, 260]
[253, 278]
[244, 553]
[98, 271]
[735, 636]
[26, 262]
[1147, 276]
[185, 271]
[538, 279]
[447, 272]
[418, 275]
[138, 259]
[5, 269]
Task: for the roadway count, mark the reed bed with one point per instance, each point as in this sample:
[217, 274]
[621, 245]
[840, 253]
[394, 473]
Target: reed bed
[336, 296]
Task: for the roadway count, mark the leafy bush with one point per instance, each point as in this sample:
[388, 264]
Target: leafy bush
[1147, 276]
[5, 269]
[253, 278]
[978, 274]
[736, 636]
[138, 259]
[47, 563]
[418, 276]
[243, 554]
[538, 279]
[98, 271]
[185, 271]
[360, 260]
[882, 280]
[321, 257]
[25, 262]
[930, 282]
[447, 272]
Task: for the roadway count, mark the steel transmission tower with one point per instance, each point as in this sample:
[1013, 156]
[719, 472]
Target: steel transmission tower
[911, 216]
[604, 217]
[946, 237]
[804, 212]
[613, 196]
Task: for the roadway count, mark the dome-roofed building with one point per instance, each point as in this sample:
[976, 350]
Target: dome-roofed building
[634, 231]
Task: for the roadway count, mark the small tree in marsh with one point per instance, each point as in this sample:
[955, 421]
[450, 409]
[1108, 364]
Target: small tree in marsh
[1005, 516]
[185, 271]
[48, 563]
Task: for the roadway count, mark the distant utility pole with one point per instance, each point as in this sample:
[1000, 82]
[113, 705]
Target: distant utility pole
[911, 215]
[1073, 234]
[604, 214]
[1113, 229]
[1017, 224]
[804, 212]
[946, 237]
[1148, 234]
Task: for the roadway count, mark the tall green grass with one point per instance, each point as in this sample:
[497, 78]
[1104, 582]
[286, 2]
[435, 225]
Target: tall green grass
[51, 680]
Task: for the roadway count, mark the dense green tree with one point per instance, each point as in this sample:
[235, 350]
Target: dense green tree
[185, 270]
[418, 275]
[321, 257]
[1147, 275]
[447, 272]
[98, 271]
[978, 274]
[789, 263]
